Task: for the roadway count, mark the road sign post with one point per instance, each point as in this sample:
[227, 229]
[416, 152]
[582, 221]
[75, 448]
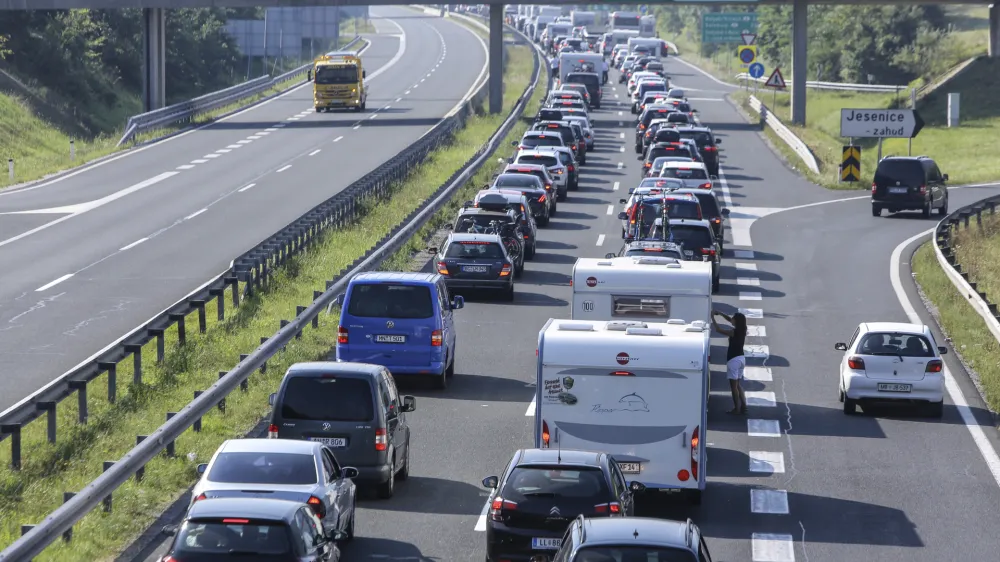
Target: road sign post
[727, 28]
[850, 164]
[880, 123]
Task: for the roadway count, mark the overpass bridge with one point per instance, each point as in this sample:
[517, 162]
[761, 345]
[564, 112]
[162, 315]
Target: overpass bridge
[154, 47]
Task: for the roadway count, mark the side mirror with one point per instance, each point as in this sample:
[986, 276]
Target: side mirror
[432, 250]
[725, 212]
[840, 346]
[491, 482]
[169, 530]
[449, 227]
[309, 76]
[510, 160]
[364, 74]
[622, 201]
[622, 216]
[457, 302]
[713, 178]
[409, 404]
[945, 177]
[272, 398]
[514, 143]
[943, 350]
[350, 472]
[718, 141]
[609, 255]
[340, 299]
[202, 468]
[468, 204]
[636, 487]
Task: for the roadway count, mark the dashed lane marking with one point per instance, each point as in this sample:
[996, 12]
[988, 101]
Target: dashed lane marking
[224, 151]
[743, 254]
[51, 284]
[759, 374]
[406, 93]
[756, 331]
[356, 127]
[185, 167]
[750, 296]
[373, 116]
[622, 136]
[600, 240]
[621, 149]
[621, 165]
[199, 161]
[315, 152]
[283, 168]
[232, 146]
[752, 312]
[254, 137]
[399, 100]
[213, 155]
[338, 139]
[769, 547]
[242, 189]
[616, 186]
[771, 502]
[195, 214]
[763, 399]
[133, 244]
[611, 209]
[244, 141]
[763, 428]
[745, 266]
[271, 129]
[769, 462]
[756, 351]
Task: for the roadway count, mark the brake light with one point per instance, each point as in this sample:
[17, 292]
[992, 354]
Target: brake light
[571, 167]
[272, 431]
[201, 497]
[168, 559]
[613, 508]
[717, 220]
[923, 190]
[695, 442]
[934, 366]
[526, 236]
[708, 252]
[236, 521]
[683, 475]
[709, 149]
[442, 268]
[317, 506]
[622, 374]
[505, 271]
[542, 198]
[499, 504]
[436, 338]
[381, 441]
[341, 335]
[706, 185]
[856, 363]
[545, 434]
[873, 188]
[642, 127]
[648, 164]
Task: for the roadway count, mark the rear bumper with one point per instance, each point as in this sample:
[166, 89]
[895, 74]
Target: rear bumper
[480, 284]
[435, 366]
[928, 389]
[372, 474]
[901, 204]
[514, 544]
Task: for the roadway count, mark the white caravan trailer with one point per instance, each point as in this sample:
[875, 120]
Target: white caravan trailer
[636, 390]
[657, 47]
[651, 289]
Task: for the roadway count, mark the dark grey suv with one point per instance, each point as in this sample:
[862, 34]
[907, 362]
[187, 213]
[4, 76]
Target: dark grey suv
[352, 408]
[632, 538]
[909, 183]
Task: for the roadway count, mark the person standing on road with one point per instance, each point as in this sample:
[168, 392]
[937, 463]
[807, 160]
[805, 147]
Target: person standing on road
[604, 79]
[735, 361]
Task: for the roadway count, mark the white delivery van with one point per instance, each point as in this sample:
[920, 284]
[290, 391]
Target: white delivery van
[636, 390]
[651, 289]
[657, 47]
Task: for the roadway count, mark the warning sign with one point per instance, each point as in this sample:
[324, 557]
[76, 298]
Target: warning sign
[776, 80]
[850, 165]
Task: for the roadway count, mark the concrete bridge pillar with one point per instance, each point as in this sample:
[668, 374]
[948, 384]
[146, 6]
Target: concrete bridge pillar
[800, 43]
[154, 67]
[496, 58]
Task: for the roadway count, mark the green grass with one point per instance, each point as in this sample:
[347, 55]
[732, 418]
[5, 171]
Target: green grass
[971, 339]
[49, 470]
[970, 28]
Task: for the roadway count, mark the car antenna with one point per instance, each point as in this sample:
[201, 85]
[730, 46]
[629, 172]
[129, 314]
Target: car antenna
[558, 447]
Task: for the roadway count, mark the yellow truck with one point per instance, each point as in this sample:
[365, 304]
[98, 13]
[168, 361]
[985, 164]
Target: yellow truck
[338, 82]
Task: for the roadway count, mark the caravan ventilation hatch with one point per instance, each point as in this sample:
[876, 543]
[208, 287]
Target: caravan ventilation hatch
[624, 325]
[676, 322]
[696, 326]
[648, 260]
[644, 332]
[575, 327]
[605, 262]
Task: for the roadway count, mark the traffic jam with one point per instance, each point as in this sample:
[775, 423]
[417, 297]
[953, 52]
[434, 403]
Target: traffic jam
[622, 385]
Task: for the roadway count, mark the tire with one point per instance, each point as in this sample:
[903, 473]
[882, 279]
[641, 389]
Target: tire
[404, 473]
[876, 211]
[555, 207]
[936, 409]
[926, 211]
[841, 399]
[441, 380]
[450, 370]
[943, 209]
[850, 406]
[638, 149]
[560, 196]
[529, 254]
[508, 295]
[388, 488]
[544, 221]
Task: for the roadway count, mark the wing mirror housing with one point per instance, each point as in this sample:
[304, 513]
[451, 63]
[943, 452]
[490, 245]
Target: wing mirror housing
[339, 301]
[510, 160]
[491, 482]
[350, 472]
[610, 255]
[718, 141]
[514, 143]
[309, 76]
[943, 350]
[409, 404]
[725, 212]
[945, 177]
[622, 216]
[432, 250]
[457, 302]
[622, 201]
[636, 487]
[202, 468]
[364, 74]
[840, 346]
[169, 530]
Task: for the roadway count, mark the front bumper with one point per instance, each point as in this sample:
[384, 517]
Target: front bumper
[336, 103]
[861, 387]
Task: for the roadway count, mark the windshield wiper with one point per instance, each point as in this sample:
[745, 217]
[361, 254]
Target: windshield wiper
[540, 495]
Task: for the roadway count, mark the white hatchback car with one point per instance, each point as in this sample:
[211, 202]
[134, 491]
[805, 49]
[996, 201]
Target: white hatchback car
[891, 361]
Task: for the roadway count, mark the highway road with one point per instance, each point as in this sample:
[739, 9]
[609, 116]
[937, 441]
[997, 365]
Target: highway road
[91, 255]
[799, 480]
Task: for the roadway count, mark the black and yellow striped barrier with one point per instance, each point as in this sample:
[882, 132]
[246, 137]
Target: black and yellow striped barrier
[850, 165]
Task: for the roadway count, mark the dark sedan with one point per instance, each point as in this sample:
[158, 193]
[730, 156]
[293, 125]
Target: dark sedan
[476, 262]
[540, 201]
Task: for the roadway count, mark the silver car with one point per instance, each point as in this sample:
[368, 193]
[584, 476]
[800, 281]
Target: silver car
[551, 162]
[284, 469]
[588, 133]
[693, 174]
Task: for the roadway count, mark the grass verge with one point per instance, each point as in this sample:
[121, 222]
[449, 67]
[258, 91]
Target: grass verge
[972, 341]
[49, 470]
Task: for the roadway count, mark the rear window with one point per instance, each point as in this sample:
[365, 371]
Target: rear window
[547, 140]
[566, 159]
[700, 138]
[263, 468]
[471, 251]
[684, 173]
[677, 117]
[328, 399]
[537, 159]
[517, 180]
[907, 172]
[905, 345]
[691, 236]
[580, 482]
[644, 553]
[210, 538]
[655, 153]
[652, 88]
[390, 300]
[675, 210]
[646, 307]
[668, 135]
[658, 252]
[550, 115]
[658, 114]
[709, 206]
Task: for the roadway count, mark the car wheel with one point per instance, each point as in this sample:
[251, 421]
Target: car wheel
[638, 149]
[555, 207]
[451, 366]
[926, 211]
[441, 379]
[388, 488]
[404, 472]
[937, 409]
[544, 221]
[529, 254]
[850, 406]
[560, 196]
[841, 399]
[943, 210]
[876, 211]
[508, 295]
[583, 159]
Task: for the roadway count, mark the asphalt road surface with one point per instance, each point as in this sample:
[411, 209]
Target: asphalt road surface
[799, 480]
[90, 256]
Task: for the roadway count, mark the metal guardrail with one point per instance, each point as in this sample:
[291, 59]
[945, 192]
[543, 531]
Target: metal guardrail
[794, 142]
[188, 110]
[873, 88]
[953, 270]
[253, 268]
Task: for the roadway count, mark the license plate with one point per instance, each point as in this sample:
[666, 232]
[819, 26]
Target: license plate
[545, 544]
[894, 387]
[475, 268]
[898, 190]
[390, 339]
[629, 467]
[330, 441]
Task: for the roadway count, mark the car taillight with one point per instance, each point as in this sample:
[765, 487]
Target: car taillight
[499, 504]
[381, 441]
[705, 186]
[695, 442]
[873, 188]
[642, 127]
[505, 271]
[856, 363]
[571, 167]
[341, 334]
[442, 268]
[934, 366]
[717, 220]
[648, 164]
[923, 190]
[709, 149]
[527, 236]
[436, 338]
[708, 252]
[541, 199]
[272, 431]
[200, 497]
[613, 508]
[545, 434]
[317, 506]
[168, 559]
[574, 146]
[548, 186]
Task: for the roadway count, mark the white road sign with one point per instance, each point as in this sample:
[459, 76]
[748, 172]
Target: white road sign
[880, 123]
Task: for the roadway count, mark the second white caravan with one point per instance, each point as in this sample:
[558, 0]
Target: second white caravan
[635, 390]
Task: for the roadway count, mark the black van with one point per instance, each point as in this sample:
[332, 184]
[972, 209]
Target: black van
[352, 408]
[593, 83]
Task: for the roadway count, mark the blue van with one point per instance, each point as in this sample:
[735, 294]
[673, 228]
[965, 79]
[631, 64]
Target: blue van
[402, 321]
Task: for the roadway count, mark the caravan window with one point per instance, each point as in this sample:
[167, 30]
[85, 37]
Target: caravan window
[646, 307]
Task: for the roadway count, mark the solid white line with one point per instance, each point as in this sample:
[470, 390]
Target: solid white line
[224, 151]
[185, 167]
[745, 266]
[600, 240]
[199, 161]
[51, 284]
[531, 408]
[481, 522]
[752, 312]
[611, 209]
[242, 189]
[195, 214]
[954, 391]
[748, 281]
[750, 296]
[770, 462]
[133, 244]
[761, 374]
[763, 428]
[213, 155]
[772, 502]
[743, 254]
[756, 331]
[337, 139]
[315, 152]
[616, 186]
[762, 399]
[358, 126]
[769, 547]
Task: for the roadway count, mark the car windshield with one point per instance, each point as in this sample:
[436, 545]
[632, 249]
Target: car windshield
[684, 173]
[536, 173]
[474, 250]
[517, 180]
[328, 398]
[554, 481]
[264, 468]
[701, 138]
[907, 172]
[547, 140]
[225, 537]
[341, 74]
[630, 553]
[390, 300]
[896, 344]
[692, 236]
[542, 159]
[709, 206]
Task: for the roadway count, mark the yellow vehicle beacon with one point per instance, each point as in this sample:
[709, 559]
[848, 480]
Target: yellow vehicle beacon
[338, 82]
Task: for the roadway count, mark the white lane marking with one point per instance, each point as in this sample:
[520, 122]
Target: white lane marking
[743, 254]
[611, 209]
[232, 146]
[621, 149]
[769, 547]
[622, 136]
[429, 74]
[399, 100]
[213, 155]
[620, 113]
[616, 186]
[756, 331]
[748, 281]
[621, 123]
[199, 161]
[374, 116]
[481, 522]
[195, 214]
[954, 391]
[133, 244]
[760, 374]
[294, 118]
[600, 240]
[621, 165]
[756, 351]
[337, 139]
[387, 107]
[185, 167]
[406, 93]
[770, 462]
[750, 296]
[51, 284]
[262, 134]
[224, 151]
[271, 129]
[761, 398]
[242, 189]
[531, 408]
[283, 168]
[254, 137]
[763, 428]
[315, 152]
[421, 81]
[244, 141]
[745, 266]
[616, 94]
[752, 312]
[280, 125]
[356, 127]
[772, 502]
